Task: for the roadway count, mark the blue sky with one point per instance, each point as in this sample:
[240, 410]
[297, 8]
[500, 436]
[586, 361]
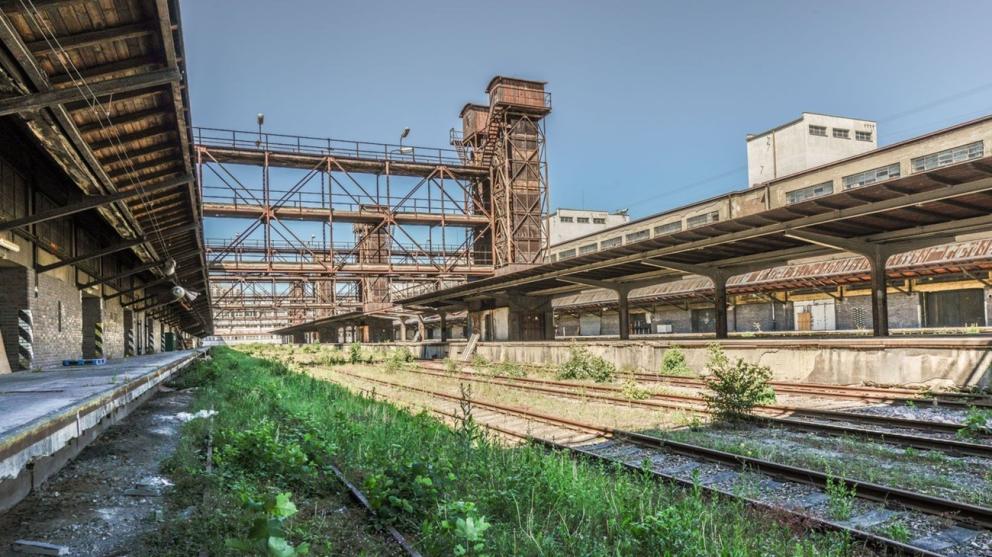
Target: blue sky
[652, 100]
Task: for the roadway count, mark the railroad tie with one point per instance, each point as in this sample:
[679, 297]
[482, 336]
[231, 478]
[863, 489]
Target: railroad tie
[25, 339]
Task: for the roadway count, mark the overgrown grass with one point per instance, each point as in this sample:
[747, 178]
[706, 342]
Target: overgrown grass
[453, 490]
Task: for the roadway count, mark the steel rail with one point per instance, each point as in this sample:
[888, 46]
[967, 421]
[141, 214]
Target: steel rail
[950, 446]
[800, 475]
[842, 391]
[908, 423]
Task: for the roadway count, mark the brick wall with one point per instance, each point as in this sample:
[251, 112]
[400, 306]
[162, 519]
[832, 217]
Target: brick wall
[113, 328]
[768, 317]
[13, 296]
[680, 320]
[58, 318]
[904, 311]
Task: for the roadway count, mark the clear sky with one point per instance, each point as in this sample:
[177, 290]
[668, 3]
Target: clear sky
[652, 99]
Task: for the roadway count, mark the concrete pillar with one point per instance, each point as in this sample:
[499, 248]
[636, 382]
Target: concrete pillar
[421, 328]
[720, 301]
[624, 311]
[879, 295]
[402, 331]
[444, 327]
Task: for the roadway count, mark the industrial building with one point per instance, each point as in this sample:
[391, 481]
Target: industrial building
[938, 287]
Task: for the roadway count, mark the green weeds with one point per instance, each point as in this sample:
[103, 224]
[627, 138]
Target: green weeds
[583, 365]
[453, 491]
[975, 423]
[673, 363]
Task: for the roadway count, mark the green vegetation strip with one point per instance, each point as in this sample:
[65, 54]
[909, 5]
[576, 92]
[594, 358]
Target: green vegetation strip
[276, 434]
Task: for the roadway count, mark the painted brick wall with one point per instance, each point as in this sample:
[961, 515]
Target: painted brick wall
[13, 296]
[58, 319]
[767, 316]
[113, 328]
[681, 321]
[904, 311]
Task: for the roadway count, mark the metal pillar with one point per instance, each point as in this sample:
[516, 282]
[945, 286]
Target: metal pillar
[879, 294]
[720, 301]
[624, 311]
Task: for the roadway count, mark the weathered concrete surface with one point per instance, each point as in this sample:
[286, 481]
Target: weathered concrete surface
[46, 418]
[911, 361]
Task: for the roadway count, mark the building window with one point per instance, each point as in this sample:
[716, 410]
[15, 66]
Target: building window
[587, 249]
[700, 220]
[871, 176]
[802, 194]
[668, 228]
[639, 235]
[565, 219]
[949, 156]
[582, 220]
[842, 134]
[598, 220]
[563, 255]
[611, 243]
[862, 136]
[818, 130]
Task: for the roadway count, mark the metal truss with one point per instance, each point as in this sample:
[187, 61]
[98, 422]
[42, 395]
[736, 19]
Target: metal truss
[416, 216]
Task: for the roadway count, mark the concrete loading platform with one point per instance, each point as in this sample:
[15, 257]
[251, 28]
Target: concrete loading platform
[49, 417]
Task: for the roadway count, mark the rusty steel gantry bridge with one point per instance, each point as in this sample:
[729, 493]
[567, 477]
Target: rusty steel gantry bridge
[416, 219]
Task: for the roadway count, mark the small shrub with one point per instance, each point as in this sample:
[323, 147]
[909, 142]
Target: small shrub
[268, 531]
[509, 369]
[673, 363]
[840, 498]
[398, 359]
[633, 391]
[355, 353]
[479, 362]
[467, 527]
[975, 422]
[896, 531]
[451, 366]
[736, 387]
[583, 365]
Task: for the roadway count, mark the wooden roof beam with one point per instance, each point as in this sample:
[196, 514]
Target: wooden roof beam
[130, 138]
[90, 38]
[121, 120]
[37, 101]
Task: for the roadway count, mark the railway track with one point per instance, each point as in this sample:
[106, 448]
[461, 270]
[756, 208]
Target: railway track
[631, 449]
[695, 404]
[895, 395]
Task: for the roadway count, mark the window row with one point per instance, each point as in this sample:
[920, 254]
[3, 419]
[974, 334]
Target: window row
[582, 220]
[839, 133]
[660, 230]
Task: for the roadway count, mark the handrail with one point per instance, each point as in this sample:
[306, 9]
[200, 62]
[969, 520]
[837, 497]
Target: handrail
[300, 144]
